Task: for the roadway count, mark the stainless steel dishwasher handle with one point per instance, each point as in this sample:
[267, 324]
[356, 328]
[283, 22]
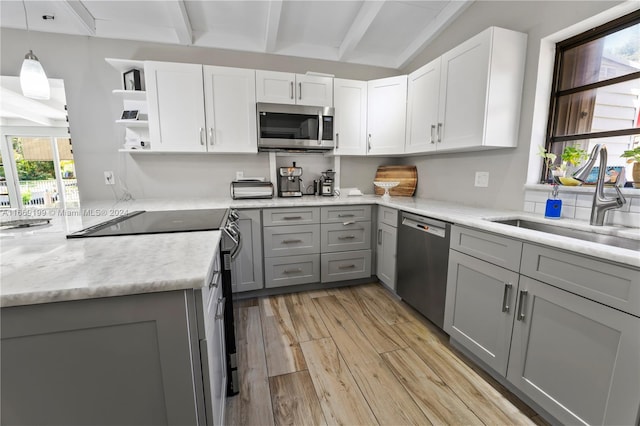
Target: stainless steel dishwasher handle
[425, 227]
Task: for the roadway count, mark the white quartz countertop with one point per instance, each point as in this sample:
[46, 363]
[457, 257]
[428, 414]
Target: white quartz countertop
[39, 265]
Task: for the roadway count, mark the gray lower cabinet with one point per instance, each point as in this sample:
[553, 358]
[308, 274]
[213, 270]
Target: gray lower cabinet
[246, 268]
[292, 270]
[343, 266]
[561, 327]
[386, 246]
[578, 359]
[480, 306]
[121, 360]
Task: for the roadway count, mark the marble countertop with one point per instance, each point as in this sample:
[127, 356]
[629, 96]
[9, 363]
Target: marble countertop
[39, 265]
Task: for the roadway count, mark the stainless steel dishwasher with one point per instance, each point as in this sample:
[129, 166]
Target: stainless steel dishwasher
[423, 256]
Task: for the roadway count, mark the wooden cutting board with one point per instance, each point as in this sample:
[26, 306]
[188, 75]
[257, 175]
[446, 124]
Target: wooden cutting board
[406, 175]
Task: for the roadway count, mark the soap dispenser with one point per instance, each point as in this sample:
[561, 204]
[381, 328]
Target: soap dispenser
[554, 205]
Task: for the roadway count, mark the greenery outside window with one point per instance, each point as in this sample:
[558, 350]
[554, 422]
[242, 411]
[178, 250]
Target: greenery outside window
[595, 96]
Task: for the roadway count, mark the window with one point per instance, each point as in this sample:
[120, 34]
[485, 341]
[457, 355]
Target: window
[595, 95]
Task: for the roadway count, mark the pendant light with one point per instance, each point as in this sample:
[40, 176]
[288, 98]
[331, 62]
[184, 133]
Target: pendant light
[33, 80]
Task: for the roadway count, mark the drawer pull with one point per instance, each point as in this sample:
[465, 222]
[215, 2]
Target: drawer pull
[220, 308]
[292, 217]
[347, 237]
[351, 222]
[521, 302]
[346, 215]
[291, 241]
[505, 297]
[351, 266]
[292, 271]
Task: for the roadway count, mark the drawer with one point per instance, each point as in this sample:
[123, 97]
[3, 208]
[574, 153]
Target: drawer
[343, 214]
[291, 270]
[344, 266]
[291, 240]
[493, 248]
[291, 216]
[388, 216]
[340, 237]
[610, 284]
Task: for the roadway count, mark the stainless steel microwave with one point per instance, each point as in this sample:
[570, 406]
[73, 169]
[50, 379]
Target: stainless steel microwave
[294, 127]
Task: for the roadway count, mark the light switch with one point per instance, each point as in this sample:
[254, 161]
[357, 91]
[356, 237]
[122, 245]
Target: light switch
[482, 179]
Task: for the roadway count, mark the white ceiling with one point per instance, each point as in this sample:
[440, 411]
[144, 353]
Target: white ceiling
[373, 32]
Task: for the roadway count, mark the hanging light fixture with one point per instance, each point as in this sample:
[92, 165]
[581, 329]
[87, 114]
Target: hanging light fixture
[33, 80]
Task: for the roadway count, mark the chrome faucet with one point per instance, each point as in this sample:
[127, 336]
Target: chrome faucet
[600, 203]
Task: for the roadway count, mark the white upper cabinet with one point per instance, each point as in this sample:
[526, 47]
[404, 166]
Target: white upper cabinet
[289, 88]
[481, 90]
[350, 120]
[386, 116]
[422, 108]
[201, 109]
[230, 109]
[176, 106]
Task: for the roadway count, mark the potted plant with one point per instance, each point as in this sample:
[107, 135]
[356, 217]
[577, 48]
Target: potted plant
[571, 156]
[633, 156]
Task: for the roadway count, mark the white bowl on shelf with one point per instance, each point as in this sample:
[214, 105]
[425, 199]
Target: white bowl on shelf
[386, 186]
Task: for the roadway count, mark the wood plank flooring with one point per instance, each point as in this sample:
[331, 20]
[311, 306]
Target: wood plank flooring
[357, 356]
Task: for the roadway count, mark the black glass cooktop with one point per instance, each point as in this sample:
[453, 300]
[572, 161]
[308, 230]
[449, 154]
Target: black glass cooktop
[157, 222]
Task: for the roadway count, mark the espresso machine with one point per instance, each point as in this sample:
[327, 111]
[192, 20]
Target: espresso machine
[289, 181]
[327, 185]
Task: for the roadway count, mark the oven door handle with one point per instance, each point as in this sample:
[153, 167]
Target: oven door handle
[238, 246]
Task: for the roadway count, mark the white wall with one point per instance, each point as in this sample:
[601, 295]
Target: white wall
[451, 176]
[89, 81]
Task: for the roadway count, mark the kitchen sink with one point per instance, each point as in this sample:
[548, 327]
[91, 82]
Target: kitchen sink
[610, 240]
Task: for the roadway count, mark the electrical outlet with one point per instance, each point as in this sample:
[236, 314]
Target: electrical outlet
[109, 178]
[482, 179]
[239, 175]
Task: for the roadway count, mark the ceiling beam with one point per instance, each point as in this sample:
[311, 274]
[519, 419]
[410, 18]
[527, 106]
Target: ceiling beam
[82, 15]
[359, 27]
[181, 22]
[273, 25]
[450, 12]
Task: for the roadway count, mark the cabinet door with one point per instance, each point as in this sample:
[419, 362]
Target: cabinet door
[314, 90]
[246, 268]
[230, 107]
[386, 254]
[276, 87]
[176, 106]
[350, 120]
[578, 359]
[213, 357]
[463, 93]
[422, 108]
[479, 308]
[387, 112]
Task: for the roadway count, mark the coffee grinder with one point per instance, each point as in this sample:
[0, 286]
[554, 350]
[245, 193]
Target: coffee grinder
[328, 183]
[289, 181]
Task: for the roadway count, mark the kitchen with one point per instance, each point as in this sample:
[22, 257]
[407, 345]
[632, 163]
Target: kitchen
[169, 178]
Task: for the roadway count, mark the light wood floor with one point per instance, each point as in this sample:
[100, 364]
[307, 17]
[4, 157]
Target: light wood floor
[357, 356]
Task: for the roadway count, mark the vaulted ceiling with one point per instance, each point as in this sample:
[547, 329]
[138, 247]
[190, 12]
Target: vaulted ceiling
[381, 33]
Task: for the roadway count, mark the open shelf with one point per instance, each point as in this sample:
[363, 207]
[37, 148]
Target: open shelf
[124, 65]
[136, 95]
[133, 123]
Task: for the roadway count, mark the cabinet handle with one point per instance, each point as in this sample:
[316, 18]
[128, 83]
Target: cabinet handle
[521, 302]
[211, 136]
[505, 297]
[291, 90]
[201, 139]
[347, 237]
[433, 129]
[369, 143]
[292, 271]
[291, 241]
[337, 140]
[439, 132]
[380, 236]
[220, 311]
[292, 217]
[346, 215]
[351, 266]
[299, 90]
[351, 222]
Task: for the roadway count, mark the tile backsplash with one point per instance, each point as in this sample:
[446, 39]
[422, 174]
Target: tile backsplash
[576, 204]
